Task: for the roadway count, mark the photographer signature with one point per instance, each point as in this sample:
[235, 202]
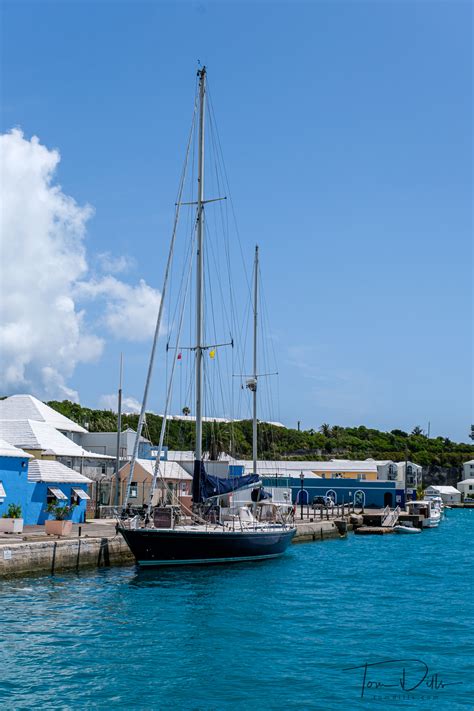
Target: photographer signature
[404, 674]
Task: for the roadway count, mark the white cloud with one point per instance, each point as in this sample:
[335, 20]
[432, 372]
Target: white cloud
[129, 404]
[44, 333]
[130, 311]
[115, 264]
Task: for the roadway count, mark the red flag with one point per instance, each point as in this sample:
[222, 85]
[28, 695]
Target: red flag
[180, 355]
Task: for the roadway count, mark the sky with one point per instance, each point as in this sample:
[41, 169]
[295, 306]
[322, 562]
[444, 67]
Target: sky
[347, 134]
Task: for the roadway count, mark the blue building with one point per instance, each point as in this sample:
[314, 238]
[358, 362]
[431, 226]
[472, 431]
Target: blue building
[34, 483]
[370, 494]
[13, 477]
[53, 482]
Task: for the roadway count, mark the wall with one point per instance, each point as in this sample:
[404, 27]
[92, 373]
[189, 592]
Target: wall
[14, 476]
[374, 491]
[36, 507]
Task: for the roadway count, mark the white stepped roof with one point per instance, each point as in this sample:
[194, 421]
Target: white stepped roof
[31, 434]
[444, 489]
[466, 481]
[8, 450]
[188, 456]
[168, 470]
[294, 468]
[27, 407]
[54, 472]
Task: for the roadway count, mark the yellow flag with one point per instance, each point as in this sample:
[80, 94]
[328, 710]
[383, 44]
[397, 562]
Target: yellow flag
[212, 354]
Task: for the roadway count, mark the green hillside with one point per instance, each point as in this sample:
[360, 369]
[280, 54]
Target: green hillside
[281, 442]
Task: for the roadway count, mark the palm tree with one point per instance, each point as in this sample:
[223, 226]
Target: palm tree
[417, 431]
[186, 411]
[325, 429]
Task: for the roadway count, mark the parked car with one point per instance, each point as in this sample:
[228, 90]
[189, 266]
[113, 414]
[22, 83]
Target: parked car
[323, 501]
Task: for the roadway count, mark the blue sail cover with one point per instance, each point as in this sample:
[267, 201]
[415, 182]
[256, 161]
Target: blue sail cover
[205, 485]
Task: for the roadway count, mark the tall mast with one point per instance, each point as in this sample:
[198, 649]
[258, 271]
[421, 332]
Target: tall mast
[119, 433]
[255, 376]
[200, 265]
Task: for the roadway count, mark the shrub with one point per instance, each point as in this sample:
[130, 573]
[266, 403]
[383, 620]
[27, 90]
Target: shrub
[60, 513]
[13, 511]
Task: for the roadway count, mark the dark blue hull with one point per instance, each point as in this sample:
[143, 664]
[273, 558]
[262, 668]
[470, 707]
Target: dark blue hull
[157, 547]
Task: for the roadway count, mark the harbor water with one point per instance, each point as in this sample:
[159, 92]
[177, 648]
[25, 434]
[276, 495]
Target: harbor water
[293, 632]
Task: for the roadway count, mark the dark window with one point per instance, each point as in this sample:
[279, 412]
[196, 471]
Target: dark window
[50, 498]
[134, 490]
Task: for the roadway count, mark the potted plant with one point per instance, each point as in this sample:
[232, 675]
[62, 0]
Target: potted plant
[59, 525]
[11, 521]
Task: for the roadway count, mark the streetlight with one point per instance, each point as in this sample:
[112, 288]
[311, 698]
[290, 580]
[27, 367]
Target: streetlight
[301, 493]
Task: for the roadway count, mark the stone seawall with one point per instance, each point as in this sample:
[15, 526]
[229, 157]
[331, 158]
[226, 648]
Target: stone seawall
[59, 554]
[66, 554]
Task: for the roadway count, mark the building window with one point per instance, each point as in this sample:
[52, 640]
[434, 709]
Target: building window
[134, 490]
[54, 495]
[470, 487]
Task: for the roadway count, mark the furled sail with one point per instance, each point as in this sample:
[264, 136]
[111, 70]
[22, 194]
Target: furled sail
[205, 485]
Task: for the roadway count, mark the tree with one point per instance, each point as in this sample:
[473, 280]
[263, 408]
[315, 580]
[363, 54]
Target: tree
[472, 432]
[417, 430]
[186, 411]
[325, 429]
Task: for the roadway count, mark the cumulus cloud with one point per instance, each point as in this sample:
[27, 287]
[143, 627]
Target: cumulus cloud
[130, 311]
[115, 264]
[129, 404]
[44, 330]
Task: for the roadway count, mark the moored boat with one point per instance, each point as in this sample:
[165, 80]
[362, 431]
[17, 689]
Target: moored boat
[406, 527]
[175, 535]
[428, 510]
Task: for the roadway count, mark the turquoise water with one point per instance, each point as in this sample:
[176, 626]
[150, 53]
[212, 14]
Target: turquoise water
[274, 635]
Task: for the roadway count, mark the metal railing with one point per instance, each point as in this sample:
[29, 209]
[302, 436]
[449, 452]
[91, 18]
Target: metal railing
[389, 517]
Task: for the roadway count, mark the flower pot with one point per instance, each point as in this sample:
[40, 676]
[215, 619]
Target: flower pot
[11, 525]
[58, 528]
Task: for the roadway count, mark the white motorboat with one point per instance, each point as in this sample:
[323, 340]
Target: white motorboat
[428, 510]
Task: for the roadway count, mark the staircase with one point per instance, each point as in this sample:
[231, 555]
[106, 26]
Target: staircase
[390, 518]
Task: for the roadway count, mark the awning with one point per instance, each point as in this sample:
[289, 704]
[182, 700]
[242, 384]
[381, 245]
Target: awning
[81, 494]
[57, 493]
[3, 493]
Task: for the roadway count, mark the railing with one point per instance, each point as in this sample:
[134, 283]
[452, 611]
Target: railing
[316, 512]
[390, 518]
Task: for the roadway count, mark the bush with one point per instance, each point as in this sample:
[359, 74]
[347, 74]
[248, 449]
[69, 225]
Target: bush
[13, 511]
[60, 513]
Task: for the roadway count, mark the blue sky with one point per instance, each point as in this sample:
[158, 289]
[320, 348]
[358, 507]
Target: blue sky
[347, 134]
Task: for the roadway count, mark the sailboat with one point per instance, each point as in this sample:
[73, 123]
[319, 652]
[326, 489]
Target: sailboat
[162, 537]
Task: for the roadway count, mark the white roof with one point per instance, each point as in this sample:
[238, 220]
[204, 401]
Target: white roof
[168, 470]
[27, 407]
[32, 434]
[192, 418]
[466, 481]
[379, 462]
[294, 468]
[8, 450]
[188, 456]
[470, 461]
[444, 489]
[54, 472]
